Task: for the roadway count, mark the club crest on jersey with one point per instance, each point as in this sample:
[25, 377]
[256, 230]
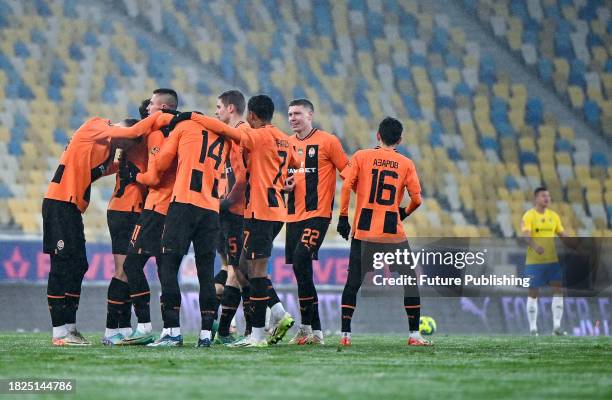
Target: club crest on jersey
[60, 245]
[311, 152]
[300, 152]
[154, 150]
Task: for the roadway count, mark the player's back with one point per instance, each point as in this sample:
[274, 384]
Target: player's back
[379, 177]
[83, 161]
[270, 153]
[201, 159]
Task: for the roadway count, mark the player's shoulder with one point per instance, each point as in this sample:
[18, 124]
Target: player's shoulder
[529, 213]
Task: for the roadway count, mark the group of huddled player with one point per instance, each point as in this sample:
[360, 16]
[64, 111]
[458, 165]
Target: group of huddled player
[224, 185]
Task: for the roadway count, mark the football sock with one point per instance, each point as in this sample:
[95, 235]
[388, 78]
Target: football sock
[205, 263]
[74, 279]
[140, 293]
[412, 305]
[277, 311]
[347, 316]
[247, 309]
[316, 321]
[171, 292]
[56, 297]
[125, 318]
[258, 334]
[116, 298]
[174, 331]
[229, 305]
[110, 332]
[205, 334]
[272, 294]
[145, 327]
[532, 313]
[59, 331]
[259, 299]
[557, 311]
[221, 277]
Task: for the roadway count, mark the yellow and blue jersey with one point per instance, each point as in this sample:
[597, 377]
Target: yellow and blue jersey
[543, 228]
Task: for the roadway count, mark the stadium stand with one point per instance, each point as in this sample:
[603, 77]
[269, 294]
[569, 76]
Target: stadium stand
[480, 141]
[568, 42]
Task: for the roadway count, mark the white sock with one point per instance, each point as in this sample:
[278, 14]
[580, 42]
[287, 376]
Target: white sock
[164, 332]
[174, 332]
[532, 313]
[125, 331]
[318, 333]
[346, 334]
[110, 332]
[258, 334]
[70, 327]
[144, 328]
[59, 331]
[557, 311]
[278, 311]
[415, 334]
[205, 334]
[307, 329]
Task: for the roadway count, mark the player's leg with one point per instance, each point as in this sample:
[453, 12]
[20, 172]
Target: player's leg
[247, 305]
[555, 277]
[229, 304]
[536, 279]
[204, 246]
[412, 306]
[351, 288]
[180, 224]
[145, 241]
[64, 241]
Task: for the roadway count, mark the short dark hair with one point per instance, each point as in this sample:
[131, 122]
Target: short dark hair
[302, 102]
[129, 122]
[142, 110]
[171, 95]
[390, 131]
[540, 189]
[234, 97]
[262, 106]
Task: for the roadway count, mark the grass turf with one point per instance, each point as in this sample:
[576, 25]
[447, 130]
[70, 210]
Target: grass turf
[374, 367]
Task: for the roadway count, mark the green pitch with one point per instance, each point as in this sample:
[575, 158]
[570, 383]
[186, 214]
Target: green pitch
[375, 367]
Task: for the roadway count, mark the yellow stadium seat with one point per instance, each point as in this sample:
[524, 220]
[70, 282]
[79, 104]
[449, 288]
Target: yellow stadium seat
[576, 96]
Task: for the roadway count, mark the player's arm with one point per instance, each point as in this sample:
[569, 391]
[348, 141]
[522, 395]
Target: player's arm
[140, 128]
[414, 191]
[217, 126]
[526, 231]
[338, 156]
[152, 176]
[350, 175]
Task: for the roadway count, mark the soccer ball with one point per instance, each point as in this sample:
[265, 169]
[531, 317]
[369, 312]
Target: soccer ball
[427, 325]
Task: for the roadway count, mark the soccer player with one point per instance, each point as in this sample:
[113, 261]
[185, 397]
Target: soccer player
[309, 209]
[123, 211]
[145, 239]
[379, 177]
[539, 226]
[193, 216]
[85, 159]
[230, 109]
[270, 155]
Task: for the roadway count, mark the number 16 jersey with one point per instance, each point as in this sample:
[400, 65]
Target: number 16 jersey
[379, 177]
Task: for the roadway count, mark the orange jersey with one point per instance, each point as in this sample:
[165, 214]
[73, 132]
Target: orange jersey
[319, 155]
[201, 157]
[270, 155]
[236, 173]
[87, 157]
[379, 177]
[133, 197]
[160, 185]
